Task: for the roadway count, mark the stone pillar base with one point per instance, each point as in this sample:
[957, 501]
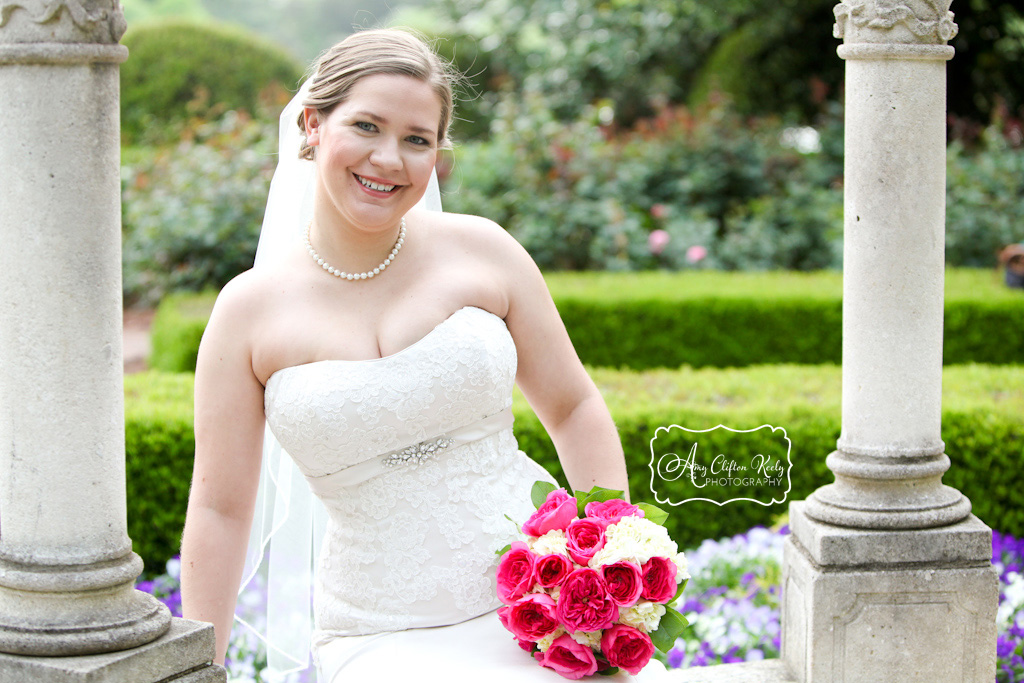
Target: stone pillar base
[183, 655]
[864, 606]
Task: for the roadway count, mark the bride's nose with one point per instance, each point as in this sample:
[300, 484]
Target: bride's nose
[386, 155]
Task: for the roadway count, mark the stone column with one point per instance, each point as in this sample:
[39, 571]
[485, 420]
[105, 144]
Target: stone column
[887, 575]
[66, 563]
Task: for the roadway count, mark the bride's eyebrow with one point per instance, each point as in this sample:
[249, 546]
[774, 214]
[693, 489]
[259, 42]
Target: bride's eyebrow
[377, 118]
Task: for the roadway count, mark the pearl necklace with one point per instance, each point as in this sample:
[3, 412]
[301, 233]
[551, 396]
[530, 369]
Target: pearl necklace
[356, 276]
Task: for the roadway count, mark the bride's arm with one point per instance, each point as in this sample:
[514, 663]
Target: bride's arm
[229, 436]
[554, 381]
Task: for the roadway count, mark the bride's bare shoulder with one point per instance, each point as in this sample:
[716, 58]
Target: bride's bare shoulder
[475, 233]
[250, 297]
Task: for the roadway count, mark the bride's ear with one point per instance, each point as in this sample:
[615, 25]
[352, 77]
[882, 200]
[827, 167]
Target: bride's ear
[312, 126]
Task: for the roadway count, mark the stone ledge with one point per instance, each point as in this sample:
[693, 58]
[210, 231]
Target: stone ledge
[768, 671]
[183, 655]
[969, 541]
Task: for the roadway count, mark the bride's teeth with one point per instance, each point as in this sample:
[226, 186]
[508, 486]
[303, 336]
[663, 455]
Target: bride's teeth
[376, 186]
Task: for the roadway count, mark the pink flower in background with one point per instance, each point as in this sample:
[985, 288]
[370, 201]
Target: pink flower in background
[568, 658]
[696, 253]
[659, 211]
[557, 511]
[657, 240]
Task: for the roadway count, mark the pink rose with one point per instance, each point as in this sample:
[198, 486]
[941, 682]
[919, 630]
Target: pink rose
[624, 581]
[584, 603]
[557, 511]
[531, 618]
[613, 510]
[627, 648]
[551, 570]
[584, 538]
[657, 241]
[659, 580]
[503, 618]
[568, 658]
[515, 573]
[696, 253]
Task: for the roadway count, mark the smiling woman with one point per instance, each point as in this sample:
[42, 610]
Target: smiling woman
[389, 386]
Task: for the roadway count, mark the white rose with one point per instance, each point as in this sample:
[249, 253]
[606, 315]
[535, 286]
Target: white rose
[544, 643]
[683, 572]
[551, 543]
[588, 638]
[634, 539]
[644, 615]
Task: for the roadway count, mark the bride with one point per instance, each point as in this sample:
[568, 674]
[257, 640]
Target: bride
[379, 342]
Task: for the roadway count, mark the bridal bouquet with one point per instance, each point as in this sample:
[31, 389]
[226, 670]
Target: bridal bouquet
[590, 590]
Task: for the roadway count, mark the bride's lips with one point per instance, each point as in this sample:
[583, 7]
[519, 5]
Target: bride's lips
[362, 181]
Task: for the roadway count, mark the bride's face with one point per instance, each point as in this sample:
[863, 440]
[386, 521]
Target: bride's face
[375, 150]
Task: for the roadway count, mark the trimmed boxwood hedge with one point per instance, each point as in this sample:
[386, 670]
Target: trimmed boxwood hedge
[659, 319]
[983, 427]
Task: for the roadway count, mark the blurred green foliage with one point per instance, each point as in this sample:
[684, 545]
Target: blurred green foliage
[633, 56]
[179, 71]
[192, 212]
[661, 319]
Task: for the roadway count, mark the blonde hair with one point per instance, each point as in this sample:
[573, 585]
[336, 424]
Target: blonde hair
[369, 53]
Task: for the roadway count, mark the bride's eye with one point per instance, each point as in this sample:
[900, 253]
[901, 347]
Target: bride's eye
[418, 141]
[367, 126]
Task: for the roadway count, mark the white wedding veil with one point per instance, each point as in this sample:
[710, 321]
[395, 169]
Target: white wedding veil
[275, 596]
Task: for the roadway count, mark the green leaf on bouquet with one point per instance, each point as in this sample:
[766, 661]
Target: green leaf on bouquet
[540, 492]
[595, 495]
[671, 627]
[610, 671]
[679, 591]
[504, 550]
[653, 513]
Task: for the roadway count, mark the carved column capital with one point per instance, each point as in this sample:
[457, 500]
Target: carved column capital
[894, 21]
[61, 21]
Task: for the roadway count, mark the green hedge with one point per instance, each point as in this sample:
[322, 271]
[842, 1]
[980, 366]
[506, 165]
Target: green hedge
[177, 330]
[983, 427]
[179, 69]
[660, 319]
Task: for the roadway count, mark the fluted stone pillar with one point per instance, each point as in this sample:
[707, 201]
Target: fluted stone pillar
[67, 569]
[887, 575]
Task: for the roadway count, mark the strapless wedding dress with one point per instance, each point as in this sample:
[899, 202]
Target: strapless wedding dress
[414, 459]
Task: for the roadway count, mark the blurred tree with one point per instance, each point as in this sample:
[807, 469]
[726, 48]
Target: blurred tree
[770, 56]
[305, 27]
[146, 10]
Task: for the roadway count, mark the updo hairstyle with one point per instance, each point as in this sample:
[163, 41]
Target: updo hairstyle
[368, 53]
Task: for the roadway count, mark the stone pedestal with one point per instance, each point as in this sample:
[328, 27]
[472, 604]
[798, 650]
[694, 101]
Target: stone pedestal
[182, 655]
[902, 605]
[67, 569]
[887, 576]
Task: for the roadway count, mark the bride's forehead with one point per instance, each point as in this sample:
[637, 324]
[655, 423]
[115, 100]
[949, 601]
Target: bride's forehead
[400, 95]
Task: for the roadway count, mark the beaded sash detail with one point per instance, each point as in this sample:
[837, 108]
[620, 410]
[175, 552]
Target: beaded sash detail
[412, 456]
[415, 454]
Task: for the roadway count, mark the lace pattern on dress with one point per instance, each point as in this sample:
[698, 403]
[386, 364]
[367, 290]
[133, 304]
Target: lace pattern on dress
[414, 545]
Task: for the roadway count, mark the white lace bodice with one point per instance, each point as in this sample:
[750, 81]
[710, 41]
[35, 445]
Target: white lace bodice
[414, 458]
